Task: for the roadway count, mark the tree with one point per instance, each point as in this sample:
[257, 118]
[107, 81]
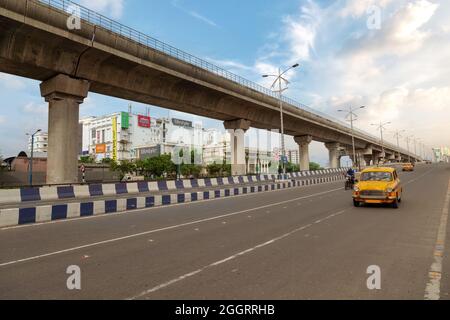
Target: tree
[87, 159]
[158, 166]
[313, 166]
[123, 168]
[290, 167]
[214, 169]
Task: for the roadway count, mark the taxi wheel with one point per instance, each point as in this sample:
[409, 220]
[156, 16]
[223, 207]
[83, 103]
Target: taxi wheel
[356, 203]
[395, 204]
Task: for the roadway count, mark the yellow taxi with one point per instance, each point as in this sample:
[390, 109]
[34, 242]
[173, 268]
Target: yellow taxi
[408, 167]
[379, 185]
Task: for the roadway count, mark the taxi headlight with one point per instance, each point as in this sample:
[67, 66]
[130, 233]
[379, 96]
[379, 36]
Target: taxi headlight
[389, 190]
[356, 188]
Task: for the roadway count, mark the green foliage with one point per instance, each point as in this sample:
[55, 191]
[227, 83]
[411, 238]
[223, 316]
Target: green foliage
[189, 170]
[219, 170]
[123, 168]
[314, 166]
[87, 160]
[290, 167]
[157, 166]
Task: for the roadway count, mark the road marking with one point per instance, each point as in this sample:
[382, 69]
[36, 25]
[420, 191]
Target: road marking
[101, 216]
[433, 289]
[164, 229]
[417, 178]
[217, 263]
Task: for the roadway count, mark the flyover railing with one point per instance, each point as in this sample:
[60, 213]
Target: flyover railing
[102, 21]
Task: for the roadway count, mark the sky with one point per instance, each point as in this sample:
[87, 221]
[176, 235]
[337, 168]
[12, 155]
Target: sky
[388, 55]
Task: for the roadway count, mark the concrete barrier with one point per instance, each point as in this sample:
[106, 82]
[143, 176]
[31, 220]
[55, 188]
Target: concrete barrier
[47, 213]
[23, 195]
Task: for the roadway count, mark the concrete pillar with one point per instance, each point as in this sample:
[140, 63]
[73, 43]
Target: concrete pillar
[367, 160]
[376, 157]
[303, 144]
[236, 130]
[64, 95]
[334, 154]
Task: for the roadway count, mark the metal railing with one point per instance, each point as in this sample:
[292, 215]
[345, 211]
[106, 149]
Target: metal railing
[100, 20]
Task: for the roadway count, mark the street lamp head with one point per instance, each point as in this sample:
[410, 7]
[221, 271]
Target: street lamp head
[295, 65]
[265, 76]
[362, 107]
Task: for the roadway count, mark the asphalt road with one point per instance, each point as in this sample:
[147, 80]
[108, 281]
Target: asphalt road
[303, 243]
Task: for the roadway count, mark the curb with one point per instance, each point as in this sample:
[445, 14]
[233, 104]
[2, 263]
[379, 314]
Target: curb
[47, 213]
[23, 195]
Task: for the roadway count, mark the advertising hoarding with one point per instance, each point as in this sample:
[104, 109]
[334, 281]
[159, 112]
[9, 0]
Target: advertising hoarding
[100, 148]
[114, 138]
[144, 121]
[150, 152]
[182, 123]
[125, 120]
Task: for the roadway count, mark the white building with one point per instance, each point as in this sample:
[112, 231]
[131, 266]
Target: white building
[118, 136]
[129, 136]
[40, 143]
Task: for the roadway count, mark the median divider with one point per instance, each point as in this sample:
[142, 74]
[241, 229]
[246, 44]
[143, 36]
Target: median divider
[27, 194]
[47, 213]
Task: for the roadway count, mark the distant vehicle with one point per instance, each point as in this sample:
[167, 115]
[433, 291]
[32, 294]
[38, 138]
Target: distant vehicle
[378, 185]
[408, 167]
[349, 182]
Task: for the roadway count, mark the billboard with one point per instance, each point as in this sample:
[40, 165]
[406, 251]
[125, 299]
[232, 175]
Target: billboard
[114, 132]
[150, 152]
[100, 148]
[182, 123]
[125, 120]
[144, 121]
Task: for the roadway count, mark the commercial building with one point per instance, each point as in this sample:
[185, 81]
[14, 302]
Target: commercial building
[441, 154]
[129, 136]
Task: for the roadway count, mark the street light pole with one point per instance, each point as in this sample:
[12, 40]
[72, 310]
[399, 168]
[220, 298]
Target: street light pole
[278, 79]
[381, 127]
[30, 173]
[353, 117]
[408, 139]
[397, 135]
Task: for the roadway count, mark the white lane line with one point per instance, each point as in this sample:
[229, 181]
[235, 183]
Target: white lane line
[102, 216]
[215, 264]
[433, 289]
[163, 229]
[417, 178]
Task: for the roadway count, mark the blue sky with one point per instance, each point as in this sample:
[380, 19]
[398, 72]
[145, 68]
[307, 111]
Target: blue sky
[400, 71]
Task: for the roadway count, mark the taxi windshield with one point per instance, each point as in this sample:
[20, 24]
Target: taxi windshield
[376, 176]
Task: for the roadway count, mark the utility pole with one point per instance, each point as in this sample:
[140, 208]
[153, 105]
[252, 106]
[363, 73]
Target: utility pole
[278, 80]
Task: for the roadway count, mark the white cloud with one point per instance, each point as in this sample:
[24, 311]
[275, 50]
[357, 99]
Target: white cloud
[114, 8]
[2, 119]
[358, 8]
[34, 108]
[300, 31]
[11, 82]
[202, 18]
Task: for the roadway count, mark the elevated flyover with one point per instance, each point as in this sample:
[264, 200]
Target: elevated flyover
[105, 57]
